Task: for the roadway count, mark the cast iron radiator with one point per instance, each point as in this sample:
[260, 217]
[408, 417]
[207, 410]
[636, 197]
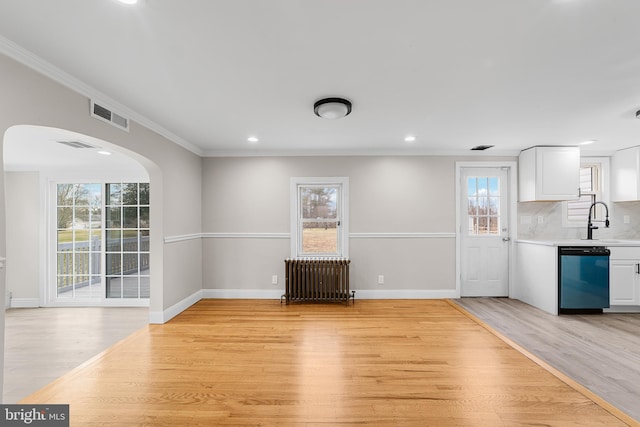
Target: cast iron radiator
[317, 280]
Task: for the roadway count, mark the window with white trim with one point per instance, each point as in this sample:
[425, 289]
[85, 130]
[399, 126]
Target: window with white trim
[319, 217]
[593, 179]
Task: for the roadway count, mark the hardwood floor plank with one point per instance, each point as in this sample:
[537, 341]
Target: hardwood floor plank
[241, 362]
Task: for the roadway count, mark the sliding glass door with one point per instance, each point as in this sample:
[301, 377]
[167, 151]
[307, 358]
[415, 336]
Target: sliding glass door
[102, 242]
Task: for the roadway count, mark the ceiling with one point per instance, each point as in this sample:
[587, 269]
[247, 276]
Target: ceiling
[454, 73]
[29, 148]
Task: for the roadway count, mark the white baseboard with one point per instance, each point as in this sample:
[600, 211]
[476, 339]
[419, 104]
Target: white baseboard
[243, 293]
[24, 303]
[158, 317]
[405, 294]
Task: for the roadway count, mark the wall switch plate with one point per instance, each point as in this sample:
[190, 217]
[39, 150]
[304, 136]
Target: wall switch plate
[381, 280]
[626, 219]
[274, 279]
[540, 219]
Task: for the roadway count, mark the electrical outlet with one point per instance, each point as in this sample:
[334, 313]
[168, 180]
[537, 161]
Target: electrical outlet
[626, 219]
[274, 279]
[381, 280]
[540, 219]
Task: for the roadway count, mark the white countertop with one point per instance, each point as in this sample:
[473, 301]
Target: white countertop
[582, 242]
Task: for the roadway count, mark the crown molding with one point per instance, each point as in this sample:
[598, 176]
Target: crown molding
[31, 60]
[359, 153]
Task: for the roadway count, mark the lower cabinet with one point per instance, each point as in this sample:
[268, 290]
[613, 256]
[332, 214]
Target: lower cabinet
[624, 276]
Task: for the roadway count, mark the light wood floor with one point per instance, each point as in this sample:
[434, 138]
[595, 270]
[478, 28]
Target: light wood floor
[42, 344]
[601, 352]
[243, 362]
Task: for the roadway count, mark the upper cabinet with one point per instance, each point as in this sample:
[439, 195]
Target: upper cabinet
[625, 175]
[549, 174]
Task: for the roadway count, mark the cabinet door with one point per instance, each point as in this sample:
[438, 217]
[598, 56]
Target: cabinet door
[549, 173]
[558, 173]
[625, 172]
[623, 282]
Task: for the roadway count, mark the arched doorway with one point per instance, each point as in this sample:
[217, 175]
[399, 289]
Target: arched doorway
[38, 163]
[90, 225]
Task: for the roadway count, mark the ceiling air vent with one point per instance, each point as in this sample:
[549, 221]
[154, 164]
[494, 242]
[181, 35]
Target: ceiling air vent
[76, 144]
[105, 114]
[481, 147]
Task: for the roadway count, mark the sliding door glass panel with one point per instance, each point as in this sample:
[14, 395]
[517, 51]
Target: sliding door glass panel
[78, 240]
[128, 240]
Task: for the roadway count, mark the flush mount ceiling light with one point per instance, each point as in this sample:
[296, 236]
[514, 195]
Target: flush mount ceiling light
[332, 108]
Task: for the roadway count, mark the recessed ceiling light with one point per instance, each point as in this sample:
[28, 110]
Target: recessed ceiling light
[128, 1]
[409, 138]
[252, 139]
[104, 153]
[591, 141]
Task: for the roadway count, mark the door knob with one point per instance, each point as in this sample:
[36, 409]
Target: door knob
[506, 239]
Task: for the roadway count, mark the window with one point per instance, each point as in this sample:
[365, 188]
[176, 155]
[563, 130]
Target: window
[319, 217]
[483, 194]
[593, 179]
[102, 225]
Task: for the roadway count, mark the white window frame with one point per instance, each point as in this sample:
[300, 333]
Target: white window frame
[343, 228]
[604, 193]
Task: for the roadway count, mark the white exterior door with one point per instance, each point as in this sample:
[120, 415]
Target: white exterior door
[484, 233]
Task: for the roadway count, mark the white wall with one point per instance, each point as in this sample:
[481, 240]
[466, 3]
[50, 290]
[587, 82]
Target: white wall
[24, 241]
[398, 208]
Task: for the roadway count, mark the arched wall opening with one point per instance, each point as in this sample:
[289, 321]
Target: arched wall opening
[43, 154]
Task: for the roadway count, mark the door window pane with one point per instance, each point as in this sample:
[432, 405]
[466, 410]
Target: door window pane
[130, 219]
[483, 205]
[114, 195]
[130, 194]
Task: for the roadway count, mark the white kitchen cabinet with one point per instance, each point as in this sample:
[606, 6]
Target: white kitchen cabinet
[548, 173]
[624, 276]
[625, 175]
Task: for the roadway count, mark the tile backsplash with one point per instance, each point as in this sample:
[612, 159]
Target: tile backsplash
[543, 221]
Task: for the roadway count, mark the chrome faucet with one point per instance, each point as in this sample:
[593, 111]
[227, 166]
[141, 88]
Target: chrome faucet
[590, 226]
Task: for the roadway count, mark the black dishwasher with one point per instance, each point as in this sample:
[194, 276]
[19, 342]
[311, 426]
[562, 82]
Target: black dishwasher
[583, 279]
